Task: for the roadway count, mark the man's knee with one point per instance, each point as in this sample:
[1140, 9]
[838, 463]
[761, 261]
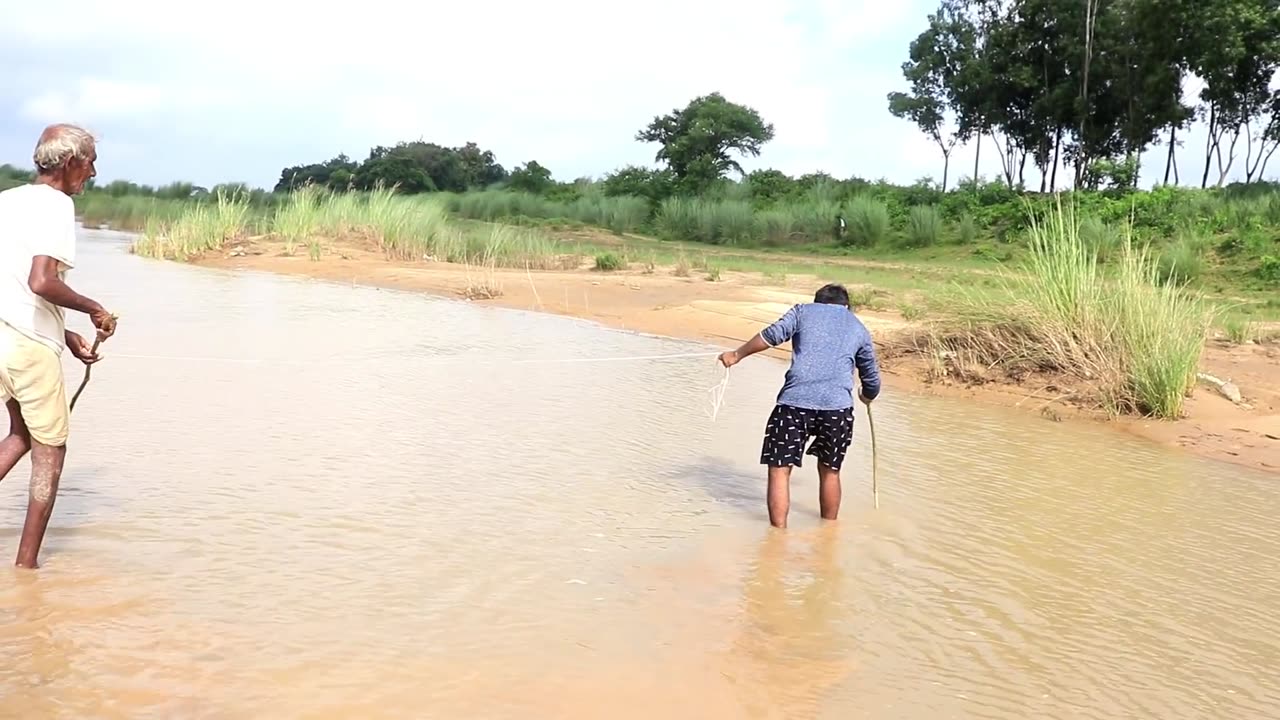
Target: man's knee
[21, 438]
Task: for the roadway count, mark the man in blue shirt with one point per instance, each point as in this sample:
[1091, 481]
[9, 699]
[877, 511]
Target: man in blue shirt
[816, 402]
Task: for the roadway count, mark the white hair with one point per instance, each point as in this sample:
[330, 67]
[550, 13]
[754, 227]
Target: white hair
[60, 143]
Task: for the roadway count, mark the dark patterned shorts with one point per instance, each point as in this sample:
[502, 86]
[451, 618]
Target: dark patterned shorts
[789, 428]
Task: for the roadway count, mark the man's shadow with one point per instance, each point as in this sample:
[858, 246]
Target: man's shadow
[724, 483]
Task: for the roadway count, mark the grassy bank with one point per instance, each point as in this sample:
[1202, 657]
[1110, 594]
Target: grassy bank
[311, 222]
[1225, 243]
[1122, 330]
[1111, 315]
[1229, 238]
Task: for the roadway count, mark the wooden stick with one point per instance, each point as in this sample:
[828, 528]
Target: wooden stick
[87, 370]
[875, 485]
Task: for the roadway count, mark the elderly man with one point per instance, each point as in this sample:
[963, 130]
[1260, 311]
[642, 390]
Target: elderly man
[37, 247]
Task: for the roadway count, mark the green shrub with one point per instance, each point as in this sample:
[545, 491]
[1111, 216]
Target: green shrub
[967, 230]
[924, 226]
[1240, 330]
[1099, 237]
[1183, 261]
[868, 222]
[609, 262]
[1269, 269]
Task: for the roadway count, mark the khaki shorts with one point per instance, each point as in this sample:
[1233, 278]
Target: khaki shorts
[31, 373]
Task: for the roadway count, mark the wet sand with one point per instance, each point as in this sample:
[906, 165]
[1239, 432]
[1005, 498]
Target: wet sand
[729, 311]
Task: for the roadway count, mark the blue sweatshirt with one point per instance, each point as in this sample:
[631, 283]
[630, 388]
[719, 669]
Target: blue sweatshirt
[827, 343]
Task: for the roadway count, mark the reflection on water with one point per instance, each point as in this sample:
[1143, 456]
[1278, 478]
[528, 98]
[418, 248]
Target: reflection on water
[293, 499]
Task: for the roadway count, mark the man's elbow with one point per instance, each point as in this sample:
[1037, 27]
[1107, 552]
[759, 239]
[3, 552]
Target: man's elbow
[39, 284]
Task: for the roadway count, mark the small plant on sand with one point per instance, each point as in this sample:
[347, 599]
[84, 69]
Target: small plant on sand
[775, 277]
[683, 267]
[865, 299]
[910, 312]
[609, 262]
[1240, 331]
[313, 250]
[713, 273]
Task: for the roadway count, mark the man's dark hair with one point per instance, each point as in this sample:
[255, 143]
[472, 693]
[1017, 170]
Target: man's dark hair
[832, 294]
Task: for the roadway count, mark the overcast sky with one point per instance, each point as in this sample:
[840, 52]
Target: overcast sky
[237, 90]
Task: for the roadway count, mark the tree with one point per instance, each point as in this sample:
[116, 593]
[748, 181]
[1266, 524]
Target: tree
[931, 72]
[480, 168]
[389, 169]
[770, 185]
[696, 141]
[531, 178]
[335, 174]
[1236, 52]
[655, 185]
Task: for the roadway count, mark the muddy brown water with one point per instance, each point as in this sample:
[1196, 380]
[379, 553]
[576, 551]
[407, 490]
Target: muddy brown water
[294, 499]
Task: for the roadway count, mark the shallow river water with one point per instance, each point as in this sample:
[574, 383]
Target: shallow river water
[293, 499]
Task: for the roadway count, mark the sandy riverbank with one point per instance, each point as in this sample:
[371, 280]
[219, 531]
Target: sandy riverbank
[732, 309]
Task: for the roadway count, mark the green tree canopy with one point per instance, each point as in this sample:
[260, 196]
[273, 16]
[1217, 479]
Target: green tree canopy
[696, 141]
[532, 178]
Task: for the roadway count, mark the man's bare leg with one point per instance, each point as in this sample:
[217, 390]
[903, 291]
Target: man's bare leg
[828, 492]
[779, 495]
[46, 471]
[18, 441]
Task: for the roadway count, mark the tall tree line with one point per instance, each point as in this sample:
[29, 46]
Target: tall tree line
[1092, 86]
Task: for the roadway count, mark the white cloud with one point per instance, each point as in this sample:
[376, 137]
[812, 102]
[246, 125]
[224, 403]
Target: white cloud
[256, 86]
[96, 98]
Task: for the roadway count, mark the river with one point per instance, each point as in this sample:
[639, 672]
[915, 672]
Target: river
[295, 499]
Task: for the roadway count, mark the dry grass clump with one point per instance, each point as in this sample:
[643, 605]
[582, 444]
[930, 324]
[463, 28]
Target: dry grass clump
[1127, 332]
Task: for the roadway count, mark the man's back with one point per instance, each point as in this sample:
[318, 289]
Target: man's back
[34, 220]
[827, 342]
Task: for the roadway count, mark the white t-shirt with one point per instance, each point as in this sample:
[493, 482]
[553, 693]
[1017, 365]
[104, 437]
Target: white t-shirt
[34, 220]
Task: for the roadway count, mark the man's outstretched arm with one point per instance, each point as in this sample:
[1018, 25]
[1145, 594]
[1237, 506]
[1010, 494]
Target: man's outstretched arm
[772, 336]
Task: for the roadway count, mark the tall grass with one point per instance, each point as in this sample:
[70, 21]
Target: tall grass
[1134, 337]
[869, 222]
[1183, 261]
[202, 227]
[402, 227]
[1099, 237]
[723, 222]
[298, 219]
[1240, 330]
[619, 214]
[966, 230]
[924, 226]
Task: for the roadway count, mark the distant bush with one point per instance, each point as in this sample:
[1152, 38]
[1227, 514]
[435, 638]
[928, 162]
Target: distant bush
[924, 226]
[609, 262]
[869, 222]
